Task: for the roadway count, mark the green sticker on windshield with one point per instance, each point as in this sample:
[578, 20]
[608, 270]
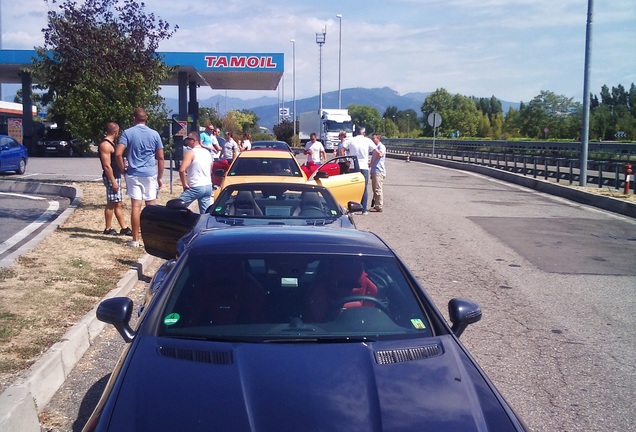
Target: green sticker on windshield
[418, 324]
[171, 319]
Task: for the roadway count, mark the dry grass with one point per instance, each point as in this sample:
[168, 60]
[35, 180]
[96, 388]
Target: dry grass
[50, 288]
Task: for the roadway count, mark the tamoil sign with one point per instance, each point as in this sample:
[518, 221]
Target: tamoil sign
[244, 62]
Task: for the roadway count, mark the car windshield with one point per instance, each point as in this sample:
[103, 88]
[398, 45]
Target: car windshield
[292, 298]
[276, 201]
[265, 166]
[57, 134]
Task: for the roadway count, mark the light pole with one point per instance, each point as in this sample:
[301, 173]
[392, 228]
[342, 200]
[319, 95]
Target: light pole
[293, 41]
[408, 126]
[320, 40]
[339, 61]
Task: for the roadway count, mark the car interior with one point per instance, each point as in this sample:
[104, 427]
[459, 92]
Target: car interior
[292, 295]
[274, 203]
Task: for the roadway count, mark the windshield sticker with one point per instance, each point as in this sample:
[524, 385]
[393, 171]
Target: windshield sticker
[333, 212]
[171, 319]
[418, 324]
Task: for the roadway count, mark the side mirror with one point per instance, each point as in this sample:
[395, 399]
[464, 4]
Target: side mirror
[463, 312]
[176, 203]
[117, 312]
[321, 175]
[354, 207]
[219, 172]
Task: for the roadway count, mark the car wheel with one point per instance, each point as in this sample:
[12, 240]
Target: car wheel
[21, 167]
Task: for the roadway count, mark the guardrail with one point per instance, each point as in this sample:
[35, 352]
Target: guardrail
[604, 173]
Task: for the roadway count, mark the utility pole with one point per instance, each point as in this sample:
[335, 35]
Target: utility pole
[320, 40]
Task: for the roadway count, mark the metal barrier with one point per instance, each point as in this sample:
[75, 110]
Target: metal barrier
[604, 173]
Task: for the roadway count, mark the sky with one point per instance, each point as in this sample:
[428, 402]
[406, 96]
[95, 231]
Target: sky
[512, 49]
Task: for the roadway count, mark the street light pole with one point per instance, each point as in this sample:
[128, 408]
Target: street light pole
[339, 61]
[320, 40]
[293, 41]
[408, 126]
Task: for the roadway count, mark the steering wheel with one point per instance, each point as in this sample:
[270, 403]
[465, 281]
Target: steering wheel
[371, 299]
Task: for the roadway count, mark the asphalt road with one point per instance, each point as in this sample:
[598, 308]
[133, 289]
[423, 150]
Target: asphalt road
[555, 281]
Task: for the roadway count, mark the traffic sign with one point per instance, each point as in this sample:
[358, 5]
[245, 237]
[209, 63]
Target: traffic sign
[434, 119]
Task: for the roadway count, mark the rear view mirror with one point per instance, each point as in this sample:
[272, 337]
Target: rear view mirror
[463, 312]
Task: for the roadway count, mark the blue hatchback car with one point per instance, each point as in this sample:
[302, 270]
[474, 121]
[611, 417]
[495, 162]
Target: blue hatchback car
[289, 328]
[13, 155]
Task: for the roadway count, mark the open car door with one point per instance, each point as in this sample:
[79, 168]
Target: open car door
[342, 176]
[163, 226]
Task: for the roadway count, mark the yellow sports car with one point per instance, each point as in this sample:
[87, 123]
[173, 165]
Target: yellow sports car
[340, 175]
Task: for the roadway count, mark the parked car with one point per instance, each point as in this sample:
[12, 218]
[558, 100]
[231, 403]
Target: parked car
[13, 155]
[166, 230]
[295, 328]
[282, 166]
[59, 142]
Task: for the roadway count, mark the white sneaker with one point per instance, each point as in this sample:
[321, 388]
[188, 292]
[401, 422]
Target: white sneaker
[132, 243]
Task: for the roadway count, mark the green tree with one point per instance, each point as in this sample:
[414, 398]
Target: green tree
[365, 116]
[557, 114]
[209, 115]
[99, 62]
[284, 131]
[440, 101]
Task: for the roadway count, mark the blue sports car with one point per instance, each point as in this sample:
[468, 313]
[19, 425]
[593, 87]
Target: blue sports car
[290, 328]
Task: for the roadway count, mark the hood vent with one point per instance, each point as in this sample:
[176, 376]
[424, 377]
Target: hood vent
[211, 357]
[407, 354]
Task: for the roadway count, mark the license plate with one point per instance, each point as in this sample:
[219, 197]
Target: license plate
[50, 148]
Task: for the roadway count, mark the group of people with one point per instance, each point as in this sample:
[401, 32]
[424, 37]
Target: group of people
[143, 167]
[361, 147]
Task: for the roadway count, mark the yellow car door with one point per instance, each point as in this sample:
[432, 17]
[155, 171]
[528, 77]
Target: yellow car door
[341, 175]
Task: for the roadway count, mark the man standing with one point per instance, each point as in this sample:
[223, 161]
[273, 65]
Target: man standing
[378, 172]
[195, 173]
[143, 174]
[209, 141]
[111, 176]
[360, 146]
[340, 151]
[230, 148]
[314, 150]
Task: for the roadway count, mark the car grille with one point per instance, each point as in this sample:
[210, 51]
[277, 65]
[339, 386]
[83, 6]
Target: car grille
[407, 354]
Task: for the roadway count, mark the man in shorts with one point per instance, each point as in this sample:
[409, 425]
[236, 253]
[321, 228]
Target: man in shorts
[145, 167]
[111, 176]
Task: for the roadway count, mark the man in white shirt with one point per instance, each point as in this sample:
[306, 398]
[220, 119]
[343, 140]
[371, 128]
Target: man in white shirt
[314, 150]
[360, 146]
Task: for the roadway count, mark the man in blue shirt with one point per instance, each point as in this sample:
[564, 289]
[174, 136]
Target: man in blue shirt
[145, 167]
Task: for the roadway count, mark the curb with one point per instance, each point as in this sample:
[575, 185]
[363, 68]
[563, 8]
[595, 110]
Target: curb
[20, 403]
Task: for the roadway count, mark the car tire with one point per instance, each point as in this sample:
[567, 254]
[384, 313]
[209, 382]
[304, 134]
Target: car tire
[21, 167]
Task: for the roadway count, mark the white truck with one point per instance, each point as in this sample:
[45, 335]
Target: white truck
[326, 124]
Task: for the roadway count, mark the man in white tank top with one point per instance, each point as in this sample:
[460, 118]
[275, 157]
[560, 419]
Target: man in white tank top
[195, 173]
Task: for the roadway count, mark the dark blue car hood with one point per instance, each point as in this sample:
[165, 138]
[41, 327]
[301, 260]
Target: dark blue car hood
[202, 386]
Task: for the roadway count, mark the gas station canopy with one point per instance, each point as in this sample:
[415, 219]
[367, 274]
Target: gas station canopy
[220, 71]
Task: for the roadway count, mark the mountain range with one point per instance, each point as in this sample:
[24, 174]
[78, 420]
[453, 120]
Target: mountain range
[266, 108]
